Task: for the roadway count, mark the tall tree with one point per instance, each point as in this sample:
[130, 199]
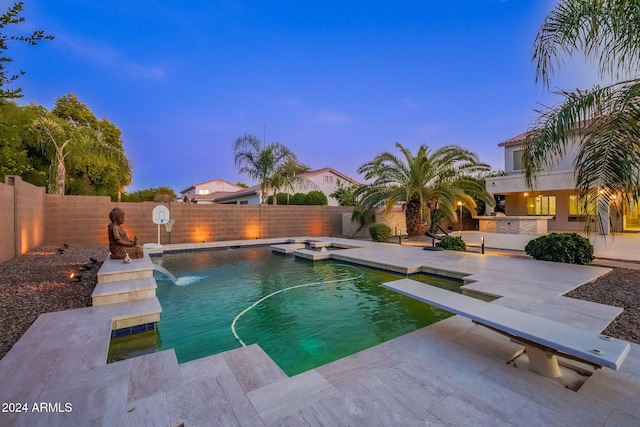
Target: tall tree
[102, 170]
[59, 140]
[86, 154]
[19, 150]
[429, 180]
[604, 121]
[33, 140]
[287, 176]
[260, 161]
[13, 17]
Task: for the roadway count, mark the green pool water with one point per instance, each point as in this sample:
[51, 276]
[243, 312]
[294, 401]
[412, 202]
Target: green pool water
[329, 309]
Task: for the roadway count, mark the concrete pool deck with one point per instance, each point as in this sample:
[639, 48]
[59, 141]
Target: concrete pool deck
[449, 373]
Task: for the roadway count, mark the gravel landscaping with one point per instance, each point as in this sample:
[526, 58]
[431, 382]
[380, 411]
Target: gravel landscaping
[39, 282]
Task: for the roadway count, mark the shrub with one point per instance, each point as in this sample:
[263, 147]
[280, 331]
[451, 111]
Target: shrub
[569, 248]
[452, 243]
[282, 198]
[315, 198]
[297, 199]
[380, 232]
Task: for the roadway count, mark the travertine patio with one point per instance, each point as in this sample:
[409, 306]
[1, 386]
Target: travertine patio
[449, 373]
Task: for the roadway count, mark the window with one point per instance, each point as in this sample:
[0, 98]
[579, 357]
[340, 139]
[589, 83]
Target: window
[517, 160]
[579, 208]
[328, 179]
[541, 205]
[202, 192]
[244, 202]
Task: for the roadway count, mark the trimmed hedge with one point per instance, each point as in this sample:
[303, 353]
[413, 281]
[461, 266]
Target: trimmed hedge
[297, 199]
[380, 232]
[312, 198]
[569, 248]
[315, 198]
[452, 243]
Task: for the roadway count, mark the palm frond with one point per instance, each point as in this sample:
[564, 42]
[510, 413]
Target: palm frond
[605, 31]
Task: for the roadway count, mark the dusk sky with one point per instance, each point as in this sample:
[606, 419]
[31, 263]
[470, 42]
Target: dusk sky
[336, 81]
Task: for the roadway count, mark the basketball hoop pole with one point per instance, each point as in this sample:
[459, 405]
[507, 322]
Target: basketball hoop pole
[160, 216]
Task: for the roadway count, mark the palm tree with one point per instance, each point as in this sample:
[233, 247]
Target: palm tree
[58, 139]
[603, 120]
[429, 180]
[287, 176]
[363, 215]
[261, 162]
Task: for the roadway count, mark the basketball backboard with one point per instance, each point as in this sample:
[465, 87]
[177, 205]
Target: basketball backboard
[160, 215]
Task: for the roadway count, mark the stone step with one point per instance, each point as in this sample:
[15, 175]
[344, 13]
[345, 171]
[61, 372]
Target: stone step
[129, 314]
[124, 291]
[115, 270]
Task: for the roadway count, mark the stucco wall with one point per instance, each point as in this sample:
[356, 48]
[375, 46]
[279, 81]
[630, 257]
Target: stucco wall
[516, 205]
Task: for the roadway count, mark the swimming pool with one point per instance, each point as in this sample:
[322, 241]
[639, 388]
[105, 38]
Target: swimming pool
[303, 314]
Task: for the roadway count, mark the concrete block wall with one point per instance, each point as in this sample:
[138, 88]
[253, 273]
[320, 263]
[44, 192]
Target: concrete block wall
[7, 222]
[29, 217]
[21, 217]
[84, 219]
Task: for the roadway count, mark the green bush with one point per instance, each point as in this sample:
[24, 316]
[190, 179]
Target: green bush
[315, 198]
[452, 243]
[282, 198]
[569, 248]
[297, 199]
[380, 232]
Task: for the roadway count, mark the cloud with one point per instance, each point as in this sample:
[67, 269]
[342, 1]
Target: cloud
[408, 102]
[428, 130]
[110, 58]
[327, 117]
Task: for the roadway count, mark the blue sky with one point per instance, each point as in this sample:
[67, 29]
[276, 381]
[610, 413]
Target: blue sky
[336, 81]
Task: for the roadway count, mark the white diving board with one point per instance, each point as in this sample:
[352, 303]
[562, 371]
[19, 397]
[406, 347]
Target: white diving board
[542, 338]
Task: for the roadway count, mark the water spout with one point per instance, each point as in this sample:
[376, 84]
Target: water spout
[179, 281]
[166, 272]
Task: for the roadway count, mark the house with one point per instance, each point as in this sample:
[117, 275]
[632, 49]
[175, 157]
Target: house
[206, 192]
[244, 196]
[554, 195]
[324, 180]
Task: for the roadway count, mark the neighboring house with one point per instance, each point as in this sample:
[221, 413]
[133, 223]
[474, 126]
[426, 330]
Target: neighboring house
[245, 196]
[323, 180]
[207, 192]
[554, 193]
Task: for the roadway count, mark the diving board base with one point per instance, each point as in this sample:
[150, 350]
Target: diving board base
[543, 362]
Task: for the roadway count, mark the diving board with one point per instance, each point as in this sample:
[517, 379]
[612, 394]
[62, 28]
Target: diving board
[542, 338]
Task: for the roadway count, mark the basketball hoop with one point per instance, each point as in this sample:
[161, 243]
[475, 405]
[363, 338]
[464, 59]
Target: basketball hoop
[169, 224]
[161, 215]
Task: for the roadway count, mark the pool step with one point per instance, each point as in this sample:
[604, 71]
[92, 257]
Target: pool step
[287, 248]
[124, 291]
[130, 289]
[133, 313]
[115, 270]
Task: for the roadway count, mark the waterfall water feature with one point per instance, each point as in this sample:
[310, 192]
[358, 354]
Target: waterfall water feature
[179, 281]
[166, 272]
